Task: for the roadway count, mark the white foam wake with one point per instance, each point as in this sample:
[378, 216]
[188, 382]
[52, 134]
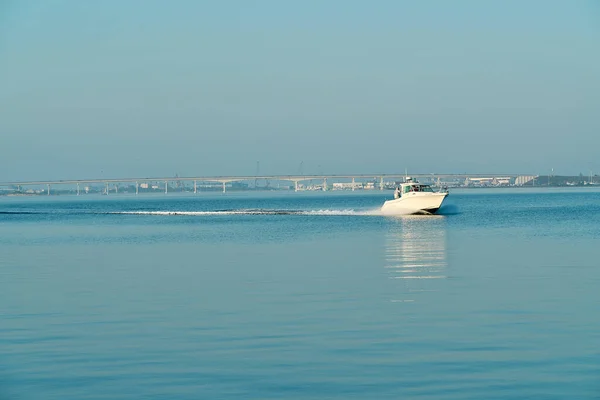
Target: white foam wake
[340, 212]
[326, 212]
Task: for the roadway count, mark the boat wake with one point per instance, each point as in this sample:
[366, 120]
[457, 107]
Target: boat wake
[326, 212]
[206, 213]
[444, 210]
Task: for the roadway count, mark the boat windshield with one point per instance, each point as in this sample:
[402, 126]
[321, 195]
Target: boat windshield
[417, 188]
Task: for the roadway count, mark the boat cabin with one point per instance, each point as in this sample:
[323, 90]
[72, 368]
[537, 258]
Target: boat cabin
[411, 186]
[415, 187]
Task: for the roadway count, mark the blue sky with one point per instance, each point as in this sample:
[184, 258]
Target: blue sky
[141, 88]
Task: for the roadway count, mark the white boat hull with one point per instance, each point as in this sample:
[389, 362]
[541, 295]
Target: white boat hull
[414, 203]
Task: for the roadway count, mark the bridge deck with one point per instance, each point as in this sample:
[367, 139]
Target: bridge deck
[239, 178]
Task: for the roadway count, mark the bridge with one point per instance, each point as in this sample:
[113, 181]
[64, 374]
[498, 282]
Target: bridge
[224, 180]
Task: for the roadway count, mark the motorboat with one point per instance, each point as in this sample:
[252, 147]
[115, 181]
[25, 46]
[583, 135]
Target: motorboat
[413, 197]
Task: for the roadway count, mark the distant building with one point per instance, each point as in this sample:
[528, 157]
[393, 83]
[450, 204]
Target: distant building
[524, 180]
[501, 181]
[347, 185]
[495, 181]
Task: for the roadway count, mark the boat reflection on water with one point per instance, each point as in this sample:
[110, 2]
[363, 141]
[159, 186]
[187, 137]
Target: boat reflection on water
[415, 251]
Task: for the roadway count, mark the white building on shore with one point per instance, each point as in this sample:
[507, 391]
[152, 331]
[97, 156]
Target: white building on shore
[524, 179]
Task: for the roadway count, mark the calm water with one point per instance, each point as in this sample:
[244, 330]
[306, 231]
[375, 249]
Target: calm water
[300, 296]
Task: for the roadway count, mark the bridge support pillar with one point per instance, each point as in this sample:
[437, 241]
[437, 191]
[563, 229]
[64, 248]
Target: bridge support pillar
[137, 188]
[107, 188]
[116, 188]
[353, 183]
[166, 187]
[324, 184]
[224, 186]
[381, 183]
[48, 187]
[195, 187]
[78, 189]
[295, 186]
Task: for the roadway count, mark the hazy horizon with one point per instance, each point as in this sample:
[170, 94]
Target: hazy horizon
[116, 89]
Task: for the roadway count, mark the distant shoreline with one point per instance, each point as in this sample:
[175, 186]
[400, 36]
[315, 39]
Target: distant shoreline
[259, 190]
